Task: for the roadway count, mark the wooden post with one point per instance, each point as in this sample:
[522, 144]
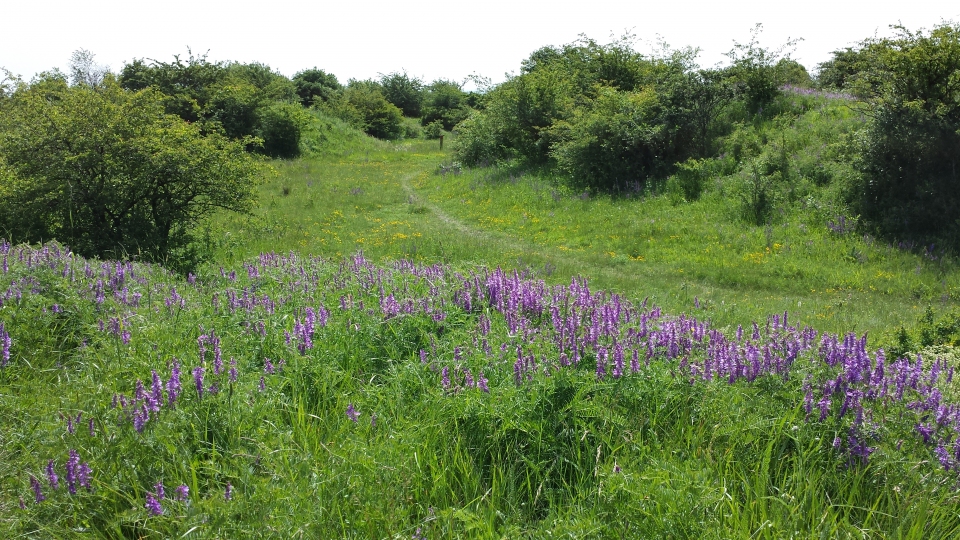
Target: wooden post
[441, 142]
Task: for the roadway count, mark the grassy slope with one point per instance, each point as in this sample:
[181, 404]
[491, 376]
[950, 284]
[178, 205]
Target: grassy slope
[648, 455]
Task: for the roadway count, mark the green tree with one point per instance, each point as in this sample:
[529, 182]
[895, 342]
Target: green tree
[758, 72]
[109, 173]
[315, 86]
[362, 104]
[614, 141]
[445, 101]
[910, 152]
[404, 91]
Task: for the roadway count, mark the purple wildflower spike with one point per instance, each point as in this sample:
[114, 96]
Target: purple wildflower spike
[183, 492]
[173, 384]
[198, 380]
[37, 490]
[72, 467]
[228, 492]
[52, 477]
[352, 413]
[482, 383]
[153, 505]
[83, 475]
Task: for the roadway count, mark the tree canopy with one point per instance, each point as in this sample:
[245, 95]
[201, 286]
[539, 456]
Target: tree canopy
[111, 173]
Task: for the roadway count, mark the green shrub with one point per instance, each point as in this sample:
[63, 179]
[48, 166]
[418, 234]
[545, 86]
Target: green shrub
[315, 86]
[362, 104]
[404, 91]
[106, 172]
[910, 150]
[613, 142]
[445, 102]
[280, 127]
[433, 130]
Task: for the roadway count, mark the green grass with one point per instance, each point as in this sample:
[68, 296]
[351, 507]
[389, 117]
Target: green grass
[649, 455]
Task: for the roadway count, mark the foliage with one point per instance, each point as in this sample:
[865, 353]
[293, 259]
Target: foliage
[759, 72]
[280, 127]
[185, 84]
[237, 100]
[433, 130]
[908, 154]
[362, 104]
[404, 91]
[315, 86]
[107, 171]
[615, 142]
[446, 102]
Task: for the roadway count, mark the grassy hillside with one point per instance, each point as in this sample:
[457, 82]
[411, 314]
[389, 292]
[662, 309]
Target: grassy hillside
[295, 388]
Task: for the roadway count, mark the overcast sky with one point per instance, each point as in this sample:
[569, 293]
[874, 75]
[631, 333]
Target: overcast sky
[427, 38]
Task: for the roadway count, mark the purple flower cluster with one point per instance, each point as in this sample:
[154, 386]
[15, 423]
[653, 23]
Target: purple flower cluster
[303, 331]
[146, 404]
[5, 344]
[77, 474]
[153, 501]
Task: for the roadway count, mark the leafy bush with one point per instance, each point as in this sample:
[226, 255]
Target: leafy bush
[404, 91]
[315, 86]
[362, 104]
[909, 151]
[433, 130]
[280, 126]
[446, 102]
[107, 172]
[614, 142]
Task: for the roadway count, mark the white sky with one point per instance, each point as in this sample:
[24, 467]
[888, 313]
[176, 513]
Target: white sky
[427, 38]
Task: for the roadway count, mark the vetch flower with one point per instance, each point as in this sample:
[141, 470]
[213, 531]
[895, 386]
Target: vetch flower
[52, 477]
[37, 490]
[352, 413]
[153, 505]
[73, 465]
[228, 492]
[182, 492]
[83, 475]
[198, 380]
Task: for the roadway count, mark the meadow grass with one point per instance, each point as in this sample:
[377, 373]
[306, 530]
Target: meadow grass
[341, 393]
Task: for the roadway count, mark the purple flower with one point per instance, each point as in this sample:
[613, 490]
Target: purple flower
[153, 505]
[183, 492]
[93, 428]
[83, 475]
[228, 492]
[173, 384]
[263, 385]
[73, 465]
[198, 380]
[446, 378]
[5, 343]
[52, 477]
[482, 383]
[268, 366]
[352, 413]
[37, 490]
[156, 393]
[233, 370]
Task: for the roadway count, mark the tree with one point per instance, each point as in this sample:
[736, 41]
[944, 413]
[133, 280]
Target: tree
[109, 173]
[315, 86]
[910, 154]
[404, 91]
[445, 101]
[759, 72]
